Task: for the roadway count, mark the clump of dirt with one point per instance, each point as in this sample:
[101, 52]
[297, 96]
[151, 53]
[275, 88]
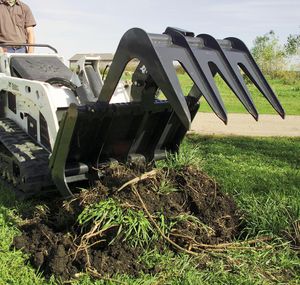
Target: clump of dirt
[202, 215]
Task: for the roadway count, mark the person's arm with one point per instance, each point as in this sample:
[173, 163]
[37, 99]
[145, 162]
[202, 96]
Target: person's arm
[30, 38]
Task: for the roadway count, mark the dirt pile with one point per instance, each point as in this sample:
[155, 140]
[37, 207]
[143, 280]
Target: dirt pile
[107, 227]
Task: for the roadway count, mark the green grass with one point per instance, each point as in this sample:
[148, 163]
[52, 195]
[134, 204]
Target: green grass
[255, 268]
[263, 175]
[108, 214]
[13, 265]
[286, 88]
[288, 93]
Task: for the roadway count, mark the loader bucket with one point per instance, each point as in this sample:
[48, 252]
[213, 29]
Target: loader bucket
[145, 129]
[96, 134]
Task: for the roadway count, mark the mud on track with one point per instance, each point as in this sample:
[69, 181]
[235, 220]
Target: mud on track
[53, 236]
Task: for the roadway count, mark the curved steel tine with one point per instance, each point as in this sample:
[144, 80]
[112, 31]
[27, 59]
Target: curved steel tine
[200, 74]
[223, 66]
[239, 55]
[136, 43]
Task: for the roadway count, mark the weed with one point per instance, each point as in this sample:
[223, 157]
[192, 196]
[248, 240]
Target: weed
[138, 229]
[108, 213]
[166, 226]
[184, 157]
[165, 186]
[132, 226]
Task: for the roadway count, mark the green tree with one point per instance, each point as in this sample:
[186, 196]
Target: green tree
[268, 53]
[292, 46]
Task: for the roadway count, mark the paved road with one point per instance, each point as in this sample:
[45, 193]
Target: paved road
[245, 125]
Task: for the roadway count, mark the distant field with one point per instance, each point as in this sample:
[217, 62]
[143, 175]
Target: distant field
[287, 90]
[288, 93]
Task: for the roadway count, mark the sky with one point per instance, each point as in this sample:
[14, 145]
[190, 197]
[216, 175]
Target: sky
[97, 26]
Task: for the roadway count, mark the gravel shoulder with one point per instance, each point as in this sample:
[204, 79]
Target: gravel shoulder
[245, 125]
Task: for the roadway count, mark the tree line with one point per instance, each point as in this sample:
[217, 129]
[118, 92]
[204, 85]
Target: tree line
[272, 56]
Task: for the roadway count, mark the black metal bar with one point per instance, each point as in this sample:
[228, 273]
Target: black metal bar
[228, 74]
[29, 45]
[155, 52]
[210, 59]
[245, 61]
[202, 78]
[60, 152]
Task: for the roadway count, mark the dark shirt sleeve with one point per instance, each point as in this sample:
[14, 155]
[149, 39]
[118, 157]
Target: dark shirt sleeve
[29, 18]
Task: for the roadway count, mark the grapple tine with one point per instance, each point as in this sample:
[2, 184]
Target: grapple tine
[203, 77]
[223, 66]
[239, 56]
[177, 99]
[157, 58]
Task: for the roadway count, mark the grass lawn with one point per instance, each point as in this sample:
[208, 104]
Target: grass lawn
[288, 93]
[287, 90]
[262, 174]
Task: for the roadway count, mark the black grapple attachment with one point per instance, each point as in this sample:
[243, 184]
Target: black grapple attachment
[146, 128]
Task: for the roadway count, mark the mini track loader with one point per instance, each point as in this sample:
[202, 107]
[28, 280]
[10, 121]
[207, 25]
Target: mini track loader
[58, 126]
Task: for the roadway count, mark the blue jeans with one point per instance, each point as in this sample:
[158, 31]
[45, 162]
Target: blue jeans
[16, 50]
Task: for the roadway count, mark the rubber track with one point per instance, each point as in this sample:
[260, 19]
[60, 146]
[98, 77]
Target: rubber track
[31, 159]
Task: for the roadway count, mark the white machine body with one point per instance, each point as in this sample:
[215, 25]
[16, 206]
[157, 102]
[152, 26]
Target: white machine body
[36, 99]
